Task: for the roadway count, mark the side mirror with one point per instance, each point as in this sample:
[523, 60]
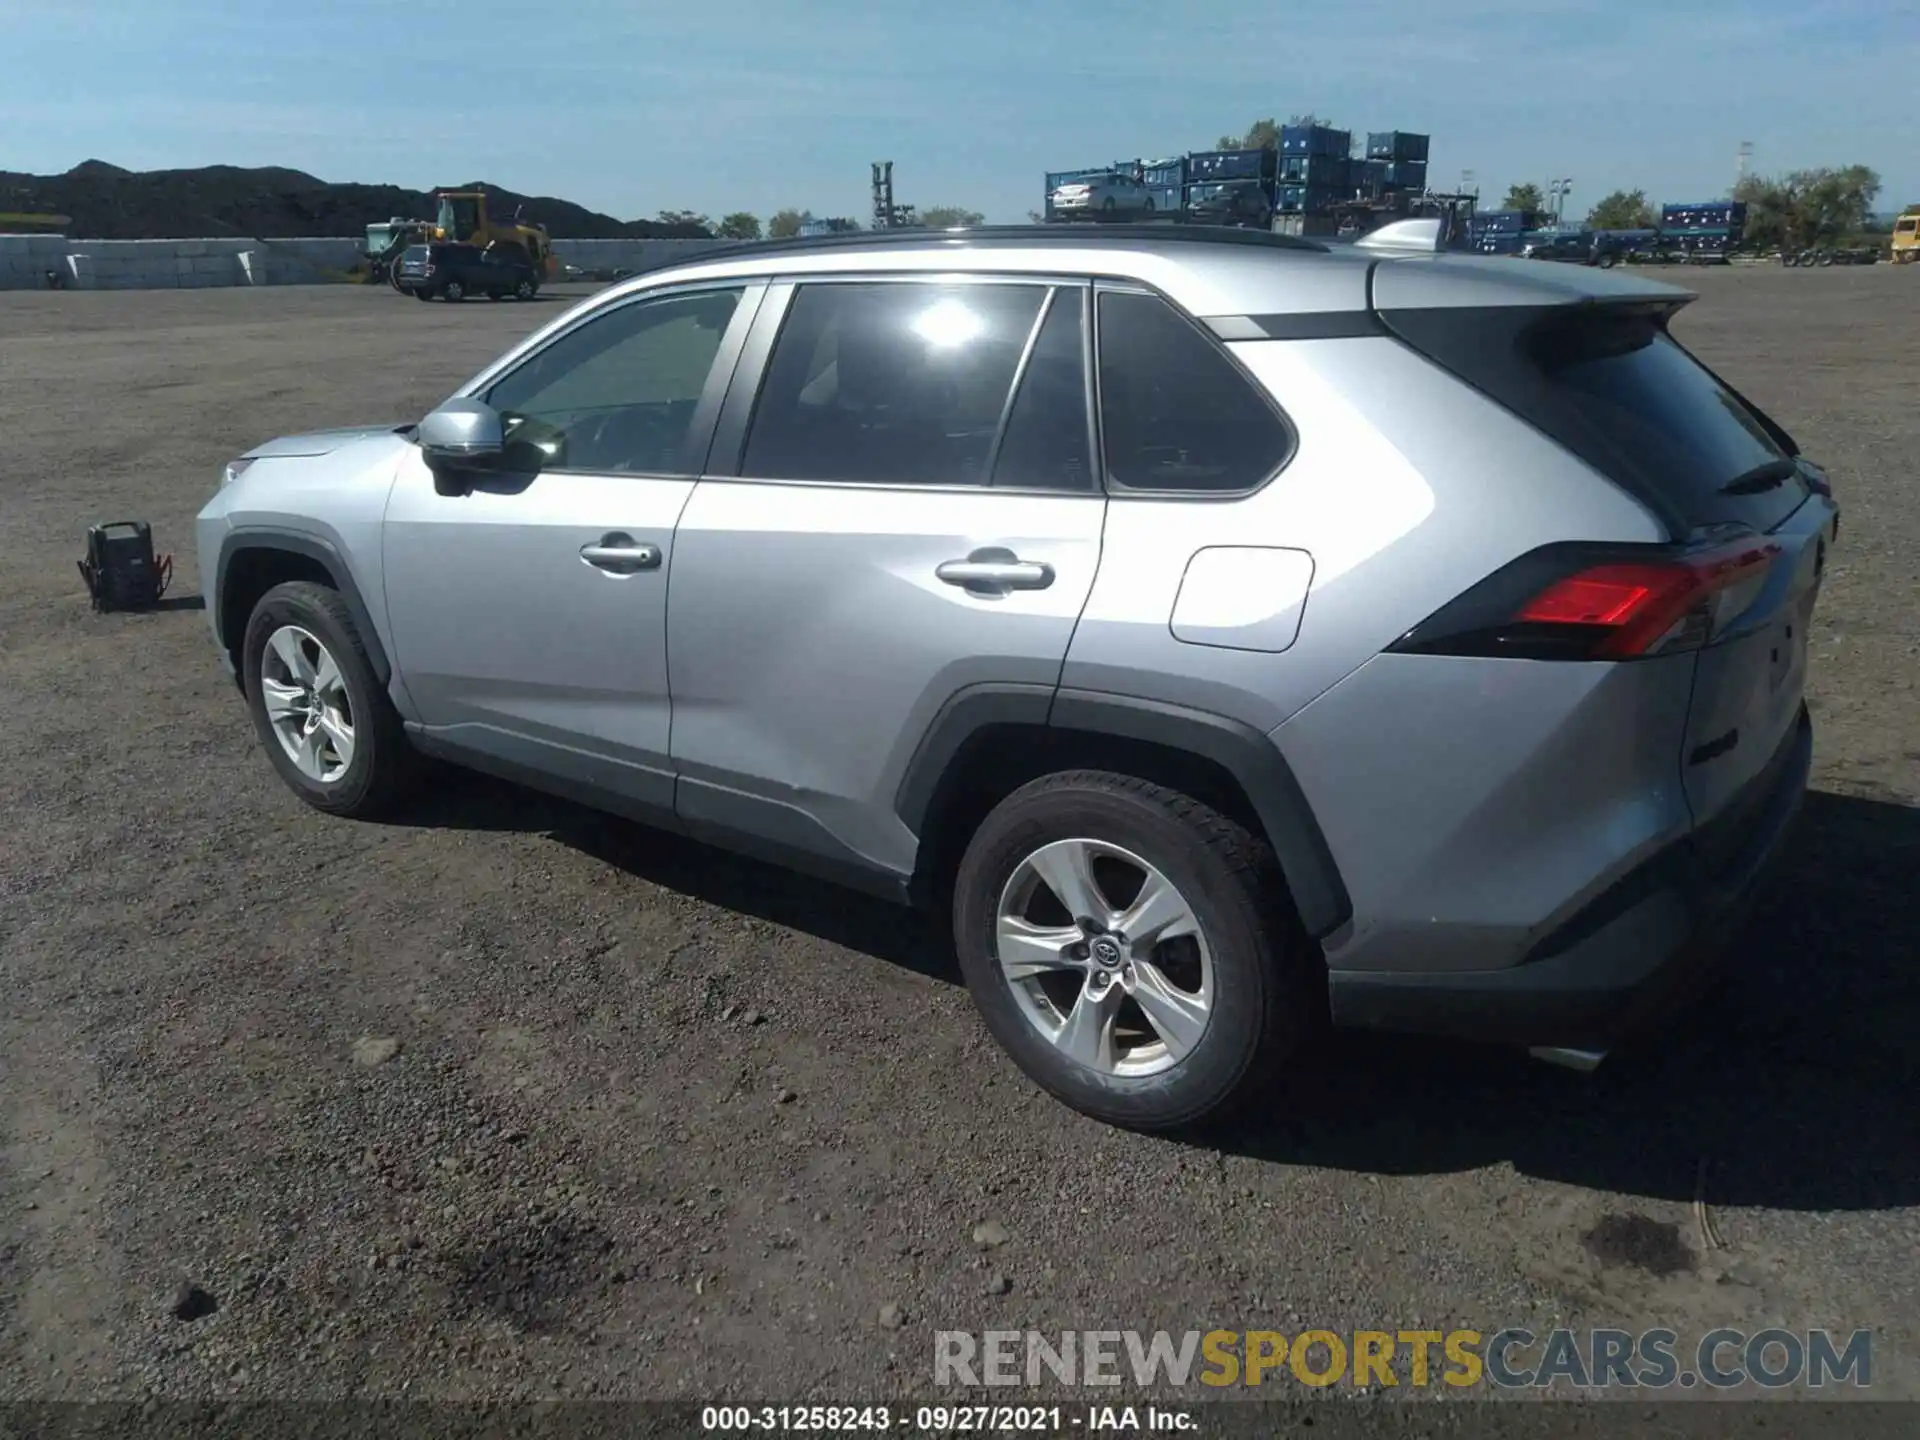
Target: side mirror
[457, 440]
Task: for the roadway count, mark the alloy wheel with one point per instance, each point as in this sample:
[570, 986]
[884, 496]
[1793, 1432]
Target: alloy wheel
[307, 704]
[1105, 957]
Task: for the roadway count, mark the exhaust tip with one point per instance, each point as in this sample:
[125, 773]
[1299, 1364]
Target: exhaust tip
[1569, 1058]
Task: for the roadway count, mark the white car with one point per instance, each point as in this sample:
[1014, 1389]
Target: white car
[1103, 194]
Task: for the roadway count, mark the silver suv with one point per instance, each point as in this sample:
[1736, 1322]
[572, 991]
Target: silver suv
[1228, 631]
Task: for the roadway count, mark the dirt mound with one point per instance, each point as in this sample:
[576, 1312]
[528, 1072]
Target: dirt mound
[109, 203]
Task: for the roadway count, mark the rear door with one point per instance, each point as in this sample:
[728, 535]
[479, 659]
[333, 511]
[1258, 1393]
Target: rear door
[901, 504]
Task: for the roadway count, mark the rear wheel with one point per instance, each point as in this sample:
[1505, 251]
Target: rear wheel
[1122, 943]
[524, 290]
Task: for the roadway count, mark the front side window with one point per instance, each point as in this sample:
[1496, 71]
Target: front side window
[890, 383]
[1175, 413]
[618, 394]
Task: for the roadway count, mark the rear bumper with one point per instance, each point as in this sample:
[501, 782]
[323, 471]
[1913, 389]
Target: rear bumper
[1637, 952]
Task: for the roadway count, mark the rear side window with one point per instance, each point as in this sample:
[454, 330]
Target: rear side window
[1612, 386]
[1048, 442]
[1176, 414]
[891, 383]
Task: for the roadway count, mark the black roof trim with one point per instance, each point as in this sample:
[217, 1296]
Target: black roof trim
[1302, 325]
[1006, 235]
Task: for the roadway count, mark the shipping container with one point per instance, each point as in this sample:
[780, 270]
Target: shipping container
[1506, 221]
[1166, 199]
[1230, 165]
[1397, 146]
[1163, 173]
[1306, 199]
[1325, 171]
[1407, 175]
[1315, 140]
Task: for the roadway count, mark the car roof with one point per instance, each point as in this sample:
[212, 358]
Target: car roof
[1210, 271]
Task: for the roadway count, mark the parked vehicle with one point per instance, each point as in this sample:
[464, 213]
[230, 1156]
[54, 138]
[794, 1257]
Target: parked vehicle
[1213, 680]
[453, 272]
[1243, 203]
[1903, 248]
[1579, 249]
[1102, 197]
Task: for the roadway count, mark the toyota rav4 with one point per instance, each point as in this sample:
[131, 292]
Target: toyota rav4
[1226, 631]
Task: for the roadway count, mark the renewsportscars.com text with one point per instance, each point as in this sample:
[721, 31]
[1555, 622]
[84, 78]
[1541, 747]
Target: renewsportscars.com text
[1513, 1358]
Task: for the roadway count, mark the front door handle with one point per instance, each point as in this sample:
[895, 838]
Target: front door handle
[995, 571]
[620, 554]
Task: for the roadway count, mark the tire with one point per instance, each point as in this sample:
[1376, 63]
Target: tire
[453, 291]
[496, 294]
[1149, 205]
[379, 765]
[417, 294]
[1607, 262]
[525, 290]
[1251, 970]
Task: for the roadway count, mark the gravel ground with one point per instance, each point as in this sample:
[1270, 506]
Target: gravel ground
[512, 1100]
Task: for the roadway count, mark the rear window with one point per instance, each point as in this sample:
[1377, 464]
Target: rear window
[416, 252]
[1614, 387]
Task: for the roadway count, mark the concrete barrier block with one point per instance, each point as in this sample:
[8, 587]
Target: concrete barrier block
[188, 249]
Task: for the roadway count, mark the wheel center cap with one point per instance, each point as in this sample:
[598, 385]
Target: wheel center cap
[1106, 952]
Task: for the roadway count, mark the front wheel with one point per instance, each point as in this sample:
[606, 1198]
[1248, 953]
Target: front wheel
[1123, 944]
[453, 290]
[417, 294]
[321, 714]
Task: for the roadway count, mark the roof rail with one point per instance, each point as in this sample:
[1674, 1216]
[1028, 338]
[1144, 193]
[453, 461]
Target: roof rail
[1089, 234]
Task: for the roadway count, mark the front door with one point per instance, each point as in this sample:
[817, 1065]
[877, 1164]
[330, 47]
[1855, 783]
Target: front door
[910, 508]
[529, 617]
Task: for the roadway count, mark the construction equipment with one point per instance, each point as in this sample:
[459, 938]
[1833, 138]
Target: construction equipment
[460, 216]
[1904, 247]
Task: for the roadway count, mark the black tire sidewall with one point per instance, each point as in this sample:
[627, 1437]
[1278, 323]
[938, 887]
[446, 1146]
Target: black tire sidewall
[293, 605]
[453, 292]
[1246, 976]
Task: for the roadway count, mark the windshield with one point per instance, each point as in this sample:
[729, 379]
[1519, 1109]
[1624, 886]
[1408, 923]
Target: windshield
[459, 218]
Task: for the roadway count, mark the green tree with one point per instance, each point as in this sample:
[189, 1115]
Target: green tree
[739, 226]
[1622, 210]
[948, 217]
[785, 224]
[1808, 207]
[684, 217]
[1524, 197]
[1265, 134]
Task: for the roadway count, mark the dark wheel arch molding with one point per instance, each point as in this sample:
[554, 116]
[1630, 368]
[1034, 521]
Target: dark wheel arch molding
[1248, 756]
[309, 547]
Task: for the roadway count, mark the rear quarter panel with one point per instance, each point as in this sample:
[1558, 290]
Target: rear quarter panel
[1405, 488]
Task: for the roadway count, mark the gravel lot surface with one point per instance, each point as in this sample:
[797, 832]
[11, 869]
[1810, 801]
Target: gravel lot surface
[512, 1100]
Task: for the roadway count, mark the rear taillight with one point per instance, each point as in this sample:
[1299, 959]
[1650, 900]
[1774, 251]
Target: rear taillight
[1599, 603]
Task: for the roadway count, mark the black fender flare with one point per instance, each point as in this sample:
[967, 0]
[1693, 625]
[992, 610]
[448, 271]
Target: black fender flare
[311, 547]
[1249, 756]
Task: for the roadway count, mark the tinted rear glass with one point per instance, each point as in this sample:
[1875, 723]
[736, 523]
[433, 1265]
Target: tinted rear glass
[1613, 387]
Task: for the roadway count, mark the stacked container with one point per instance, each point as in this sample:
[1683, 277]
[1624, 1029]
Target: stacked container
[1230, 165]
[1710, 227]
[1316, 140]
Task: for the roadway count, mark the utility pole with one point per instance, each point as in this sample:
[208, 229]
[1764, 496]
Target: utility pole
[1741, 162]
[883, 216]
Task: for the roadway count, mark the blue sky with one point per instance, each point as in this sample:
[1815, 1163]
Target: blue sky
[718, 105]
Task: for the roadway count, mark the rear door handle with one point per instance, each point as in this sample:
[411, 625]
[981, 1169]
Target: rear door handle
[995, 571]
[621, 554]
